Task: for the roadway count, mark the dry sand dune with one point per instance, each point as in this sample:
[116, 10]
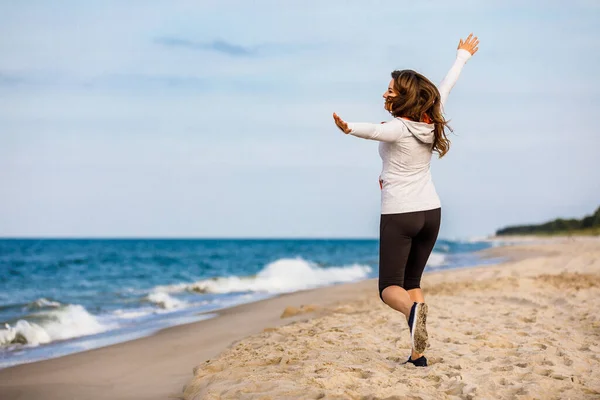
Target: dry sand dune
[526, 329]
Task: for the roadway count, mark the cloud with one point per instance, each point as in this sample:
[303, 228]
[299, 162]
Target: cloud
[219, 46]
[236, 50]
[10, 79]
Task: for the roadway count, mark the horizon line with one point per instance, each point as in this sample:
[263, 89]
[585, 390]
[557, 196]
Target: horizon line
[482, 237]
[185, 237]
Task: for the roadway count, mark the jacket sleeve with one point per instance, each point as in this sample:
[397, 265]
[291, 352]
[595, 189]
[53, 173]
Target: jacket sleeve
[462, 56]
[390, 131]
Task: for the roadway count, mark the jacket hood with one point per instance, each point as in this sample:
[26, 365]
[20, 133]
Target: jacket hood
[422, 131]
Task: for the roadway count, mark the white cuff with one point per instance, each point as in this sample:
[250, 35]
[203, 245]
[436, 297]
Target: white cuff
[463, 55]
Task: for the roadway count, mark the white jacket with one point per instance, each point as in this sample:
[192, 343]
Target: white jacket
[406, 150]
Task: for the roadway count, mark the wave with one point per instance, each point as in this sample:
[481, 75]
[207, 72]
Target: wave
[61, 323]
[24, 333]
[283, 275]
[443, 248]
[133, 313]
[39, 304]
[436, 260]
[43, 303]
[164, 301]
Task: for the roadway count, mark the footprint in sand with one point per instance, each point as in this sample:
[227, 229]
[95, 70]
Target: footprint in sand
[395, 359]
[452, 374]
[504, 382]
[361, 373]
[433, 378]
[543, 371]
[505, 368]
[521, 391]
[455, 389]
[528, 319]
[585, 347]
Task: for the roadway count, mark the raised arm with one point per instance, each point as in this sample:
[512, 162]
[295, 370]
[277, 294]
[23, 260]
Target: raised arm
[465, 50]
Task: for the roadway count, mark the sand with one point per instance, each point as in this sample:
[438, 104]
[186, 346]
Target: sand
[525, 329]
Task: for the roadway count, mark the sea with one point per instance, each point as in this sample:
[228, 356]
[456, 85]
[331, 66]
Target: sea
[62, 296]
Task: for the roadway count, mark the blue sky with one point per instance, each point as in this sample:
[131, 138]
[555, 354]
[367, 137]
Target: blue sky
[213, 118]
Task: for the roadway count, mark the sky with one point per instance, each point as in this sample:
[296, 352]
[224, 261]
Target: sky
[213, 118]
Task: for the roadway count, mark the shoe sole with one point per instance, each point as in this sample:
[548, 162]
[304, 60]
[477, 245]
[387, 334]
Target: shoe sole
[413, 363]
[419, 336]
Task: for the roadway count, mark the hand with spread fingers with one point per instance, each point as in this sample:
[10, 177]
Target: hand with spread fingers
[341, 124]
[471, 44]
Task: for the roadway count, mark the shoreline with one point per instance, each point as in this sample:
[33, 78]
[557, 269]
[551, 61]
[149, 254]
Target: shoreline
[13, 378]
[170, 354]
[278, 302]
[44, 379]
[53, 348]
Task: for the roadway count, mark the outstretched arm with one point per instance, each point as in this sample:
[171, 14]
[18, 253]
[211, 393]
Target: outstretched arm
[390, 131]
[465, 50]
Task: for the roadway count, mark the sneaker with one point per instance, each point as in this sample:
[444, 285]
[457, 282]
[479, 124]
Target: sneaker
[419, 362]
[416, 323]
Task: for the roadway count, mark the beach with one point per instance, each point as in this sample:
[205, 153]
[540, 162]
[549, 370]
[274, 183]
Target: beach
[527, 328]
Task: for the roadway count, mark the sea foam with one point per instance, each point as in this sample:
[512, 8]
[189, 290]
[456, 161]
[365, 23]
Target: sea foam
[164, 301]
[283, 275]
[436, 260]
[64, 322]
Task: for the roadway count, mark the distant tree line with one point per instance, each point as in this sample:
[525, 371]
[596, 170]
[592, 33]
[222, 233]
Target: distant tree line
[590, 223]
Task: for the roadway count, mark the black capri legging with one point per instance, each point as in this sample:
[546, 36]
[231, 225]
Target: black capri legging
[405, 243]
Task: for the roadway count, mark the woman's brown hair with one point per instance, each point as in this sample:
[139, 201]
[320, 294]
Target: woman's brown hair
[419, 100]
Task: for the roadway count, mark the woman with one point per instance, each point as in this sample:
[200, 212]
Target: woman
[410, 206]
